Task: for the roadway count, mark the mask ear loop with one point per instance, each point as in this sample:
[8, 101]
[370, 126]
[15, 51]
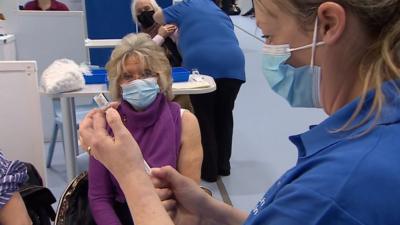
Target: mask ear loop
[314, 43]
[317, 78]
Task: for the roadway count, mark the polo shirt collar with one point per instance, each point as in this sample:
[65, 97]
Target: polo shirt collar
[323, 135]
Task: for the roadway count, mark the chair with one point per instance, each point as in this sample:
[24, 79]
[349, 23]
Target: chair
[80, 112]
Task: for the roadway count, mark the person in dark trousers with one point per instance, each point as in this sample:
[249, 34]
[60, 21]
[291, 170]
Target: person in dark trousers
[230, 7]
[207, 42]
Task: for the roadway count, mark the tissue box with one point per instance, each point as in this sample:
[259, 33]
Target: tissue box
[98, 76]
[180, 74]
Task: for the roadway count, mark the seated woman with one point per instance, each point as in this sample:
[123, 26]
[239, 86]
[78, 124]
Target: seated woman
[140, 78]
[12, 207]
[46, 5]
[164, 35]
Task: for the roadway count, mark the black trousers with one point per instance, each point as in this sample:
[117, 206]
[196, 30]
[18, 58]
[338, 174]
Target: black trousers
[214, 112]
[227, 3]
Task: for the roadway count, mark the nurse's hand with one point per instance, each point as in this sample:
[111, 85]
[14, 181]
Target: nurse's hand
[166, 30]
[166, 196]
[119, 154]
[190, 201]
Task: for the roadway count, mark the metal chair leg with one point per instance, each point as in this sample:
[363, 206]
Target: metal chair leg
[50, 152]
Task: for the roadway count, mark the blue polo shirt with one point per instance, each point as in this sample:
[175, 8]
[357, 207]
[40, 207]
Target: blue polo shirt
[341, 178]
[207, 40]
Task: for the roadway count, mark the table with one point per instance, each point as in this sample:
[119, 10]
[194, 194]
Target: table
[67, 101]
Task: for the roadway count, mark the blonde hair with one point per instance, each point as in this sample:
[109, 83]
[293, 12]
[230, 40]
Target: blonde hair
[380, 62]
[153, 3]
[149, 53]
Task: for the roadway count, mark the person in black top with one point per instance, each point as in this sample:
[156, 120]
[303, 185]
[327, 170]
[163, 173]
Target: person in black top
[228, 6]
[164, 35]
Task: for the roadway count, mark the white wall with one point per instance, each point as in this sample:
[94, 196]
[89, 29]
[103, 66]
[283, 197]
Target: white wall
[73, 5]
[44, 37]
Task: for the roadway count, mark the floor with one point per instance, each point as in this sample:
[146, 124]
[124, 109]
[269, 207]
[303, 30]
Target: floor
[263, 122]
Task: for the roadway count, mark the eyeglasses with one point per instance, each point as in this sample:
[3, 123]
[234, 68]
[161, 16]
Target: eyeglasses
[146, 74]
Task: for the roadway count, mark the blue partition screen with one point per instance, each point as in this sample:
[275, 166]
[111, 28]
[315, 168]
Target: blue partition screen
[107, 19]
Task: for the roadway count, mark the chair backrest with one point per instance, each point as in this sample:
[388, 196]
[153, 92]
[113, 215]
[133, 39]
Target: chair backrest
[21, 136]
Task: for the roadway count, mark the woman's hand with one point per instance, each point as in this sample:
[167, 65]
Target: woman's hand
[121, 153]
[166, 30]
[114, 105]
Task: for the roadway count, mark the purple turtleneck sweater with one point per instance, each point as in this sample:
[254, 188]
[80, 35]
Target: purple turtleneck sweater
[158, 133]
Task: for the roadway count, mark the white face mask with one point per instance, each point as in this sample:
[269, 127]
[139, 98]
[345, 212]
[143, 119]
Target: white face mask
[299, 86]
[140, 93]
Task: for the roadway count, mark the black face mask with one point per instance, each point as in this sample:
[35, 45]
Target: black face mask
[146, 18]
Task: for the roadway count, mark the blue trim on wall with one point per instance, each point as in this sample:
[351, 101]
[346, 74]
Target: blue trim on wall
[108, 19]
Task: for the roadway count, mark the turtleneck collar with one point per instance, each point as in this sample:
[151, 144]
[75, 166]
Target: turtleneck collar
[142, 119]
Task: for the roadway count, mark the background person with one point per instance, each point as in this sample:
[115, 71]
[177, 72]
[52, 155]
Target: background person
[164, 35]
[140, 78]
[230, 7]
[12, 207]
[339, 158]
[46, 5]
[207, 42]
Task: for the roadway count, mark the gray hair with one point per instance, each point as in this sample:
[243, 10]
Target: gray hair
[153, 3]
[149, 53]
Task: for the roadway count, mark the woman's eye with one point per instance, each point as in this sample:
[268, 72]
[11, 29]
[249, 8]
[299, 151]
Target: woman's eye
[148, 73]
[127, 77]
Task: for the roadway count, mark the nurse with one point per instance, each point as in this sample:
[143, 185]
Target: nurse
[341, 55]
[207, 42]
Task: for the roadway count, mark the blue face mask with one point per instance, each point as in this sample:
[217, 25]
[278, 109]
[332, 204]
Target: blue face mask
[299, 86]
[140, 93]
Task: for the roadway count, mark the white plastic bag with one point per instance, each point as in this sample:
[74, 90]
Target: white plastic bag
[63, 75]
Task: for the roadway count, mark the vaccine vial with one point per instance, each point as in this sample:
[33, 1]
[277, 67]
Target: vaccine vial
[101, 101]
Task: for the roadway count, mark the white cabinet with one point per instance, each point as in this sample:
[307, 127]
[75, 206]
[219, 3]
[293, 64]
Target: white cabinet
[21, 133]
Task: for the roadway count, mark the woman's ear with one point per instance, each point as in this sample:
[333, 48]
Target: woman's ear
[332, 22]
